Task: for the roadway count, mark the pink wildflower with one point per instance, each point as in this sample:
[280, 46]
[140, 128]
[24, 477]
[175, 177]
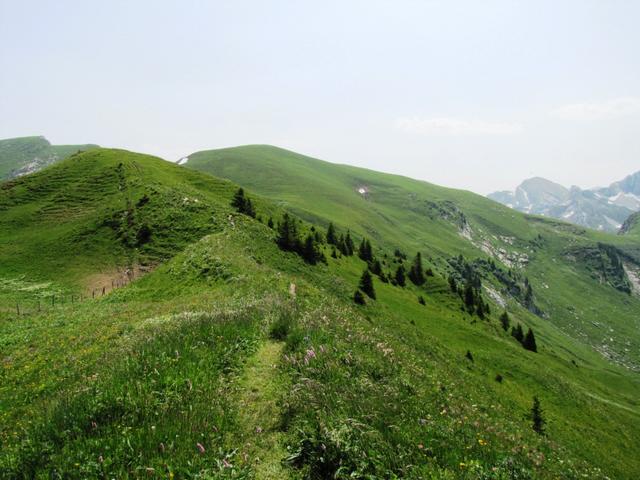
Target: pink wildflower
[309, 355]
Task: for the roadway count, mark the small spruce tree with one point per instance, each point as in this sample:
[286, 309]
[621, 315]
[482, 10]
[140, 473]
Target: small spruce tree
[516, 332]
[239, 201]
[400, 276]
[243, 204]
[375, 267]
[365, 251]
[288, 234]
[348, 243]
[505, 321]
[469, 298]
[537, 419]
[529, 341]
[358, 297]
[332, 239]
[310, 250]
[366, 284]
[249, 209]
[416, 272]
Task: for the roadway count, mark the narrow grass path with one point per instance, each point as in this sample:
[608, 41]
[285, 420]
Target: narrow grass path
[260, 387]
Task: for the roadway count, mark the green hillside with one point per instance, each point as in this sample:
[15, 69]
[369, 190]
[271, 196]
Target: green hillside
[561, 260]
[215, 354]
[19, 156]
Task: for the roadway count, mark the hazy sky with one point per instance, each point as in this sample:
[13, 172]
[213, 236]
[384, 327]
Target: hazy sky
[476, 95]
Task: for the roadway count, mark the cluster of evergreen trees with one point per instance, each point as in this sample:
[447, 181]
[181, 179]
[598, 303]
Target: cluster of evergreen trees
[243, 204]
[469, 287]
[342, 243]
[528, 340]
[416, 274]
[289, 240]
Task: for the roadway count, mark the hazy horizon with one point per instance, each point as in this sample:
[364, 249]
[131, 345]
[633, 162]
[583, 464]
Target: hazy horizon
[478, 97]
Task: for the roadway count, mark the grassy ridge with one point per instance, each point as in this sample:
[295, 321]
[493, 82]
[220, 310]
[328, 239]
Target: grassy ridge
[96, 387]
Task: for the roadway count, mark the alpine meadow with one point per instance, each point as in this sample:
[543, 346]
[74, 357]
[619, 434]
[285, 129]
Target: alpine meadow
[319, 240]
[349, 324]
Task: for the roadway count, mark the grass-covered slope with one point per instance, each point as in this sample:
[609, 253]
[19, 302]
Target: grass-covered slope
[20, 156]
[578, 284]
[234, 359]
[103, 216]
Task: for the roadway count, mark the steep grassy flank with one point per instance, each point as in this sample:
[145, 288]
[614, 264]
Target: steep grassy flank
[150, 381]
[19, 156]
[579, 297]
[101, 216]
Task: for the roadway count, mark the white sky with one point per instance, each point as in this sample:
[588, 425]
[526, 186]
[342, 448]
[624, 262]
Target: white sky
[475, 95]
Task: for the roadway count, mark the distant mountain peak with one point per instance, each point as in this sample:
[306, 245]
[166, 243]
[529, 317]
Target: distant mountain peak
[598, 208]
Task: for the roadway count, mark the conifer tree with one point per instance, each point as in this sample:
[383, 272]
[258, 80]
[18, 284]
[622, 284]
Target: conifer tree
[529, 341]
[469, 298]
[376, 267]
[364, 250]
[469, 355]
[421, 300]
[331, 235]
[239, 200]
[243, 204]
[481, 308]
[505, 321]
[348, 243]
[310, 251]
[249, 209]
[358, 297]
[516, 332]
[341, 244]
[537, 419]
[528, 295]
[334, 253]
[288, 234]
[366, 284]
[400, 276]
[416, 272]
[270, 223]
